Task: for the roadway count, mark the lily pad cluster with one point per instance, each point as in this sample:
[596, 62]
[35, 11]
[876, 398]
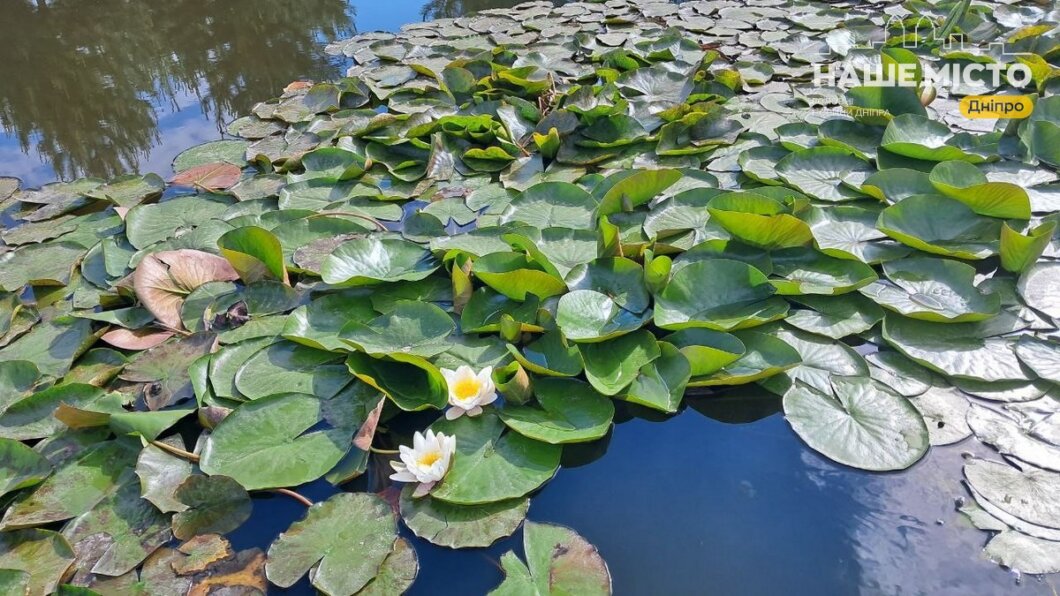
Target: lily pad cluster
[625, 201]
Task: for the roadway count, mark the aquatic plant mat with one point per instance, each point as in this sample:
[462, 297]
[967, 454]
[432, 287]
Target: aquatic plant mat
[561, 206]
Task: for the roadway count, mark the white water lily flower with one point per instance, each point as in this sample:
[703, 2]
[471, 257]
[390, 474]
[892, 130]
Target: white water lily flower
[468, 392]
[426, 462]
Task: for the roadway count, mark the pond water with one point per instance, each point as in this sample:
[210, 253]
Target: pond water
[722, 498]
[105, 87]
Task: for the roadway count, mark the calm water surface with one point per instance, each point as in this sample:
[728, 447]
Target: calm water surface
[722, 498]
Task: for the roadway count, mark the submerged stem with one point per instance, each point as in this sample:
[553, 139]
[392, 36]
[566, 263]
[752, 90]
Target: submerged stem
[176, 451]
[293, 495]
[384, 451]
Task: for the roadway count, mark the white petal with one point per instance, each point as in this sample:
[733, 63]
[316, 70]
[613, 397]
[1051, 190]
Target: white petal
[475, 411]
[403, 477]
[422, 489]
[454, 412]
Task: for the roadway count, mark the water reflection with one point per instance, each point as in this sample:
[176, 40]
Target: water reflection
[92, 86]
[442, 9]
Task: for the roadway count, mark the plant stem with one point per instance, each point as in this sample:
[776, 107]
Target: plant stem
[176, 451]
[293, 495]
[384, 451]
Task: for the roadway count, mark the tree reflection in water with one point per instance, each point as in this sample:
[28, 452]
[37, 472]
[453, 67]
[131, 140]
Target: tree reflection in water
[85, 81]
[443, 9]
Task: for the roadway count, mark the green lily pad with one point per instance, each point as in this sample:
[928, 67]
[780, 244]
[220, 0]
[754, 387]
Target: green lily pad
[740, 297]
[764, 356]
[516, 276]
[558, 561]
[490, 464]
[918, 137]
[417, 328]
[342, 543]
[589, 316]
[707, 351]
[269, 443]
[373, 260]
[930, 289]
[941, 226]
[213, 505]
[552, 204]
[20, 466]
[410, 381]
[74, 488]
[610, 366]
[661, 383]
[549, 355]
[861, 424]
[963, 350]
[570, 411]
[800, 271]
[826, 173]
[290, 367]
[461, 526]
[966, 183]
[44, 555]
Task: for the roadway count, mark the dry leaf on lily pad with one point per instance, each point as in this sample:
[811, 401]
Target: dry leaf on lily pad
[163, 280]
[209, 176]
[136, 339]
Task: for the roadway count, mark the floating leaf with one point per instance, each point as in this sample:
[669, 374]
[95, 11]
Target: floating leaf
[490, 464]
[213, 505]
[269, 443]
[570, 412]
[461, 526]
[339, 562]
[558, 561]
[861, 425]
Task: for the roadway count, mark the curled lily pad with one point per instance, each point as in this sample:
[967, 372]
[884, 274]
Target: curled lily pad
[941, 226]
[966, 183]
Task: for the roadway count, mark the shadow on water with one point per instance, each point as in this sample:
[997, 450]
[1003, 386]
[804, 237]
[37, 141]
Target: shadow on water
[94, 86]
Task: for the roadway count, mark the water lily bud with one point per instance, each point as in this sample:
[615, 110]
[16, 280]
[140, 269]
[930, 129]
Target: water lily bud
[514, 383]
[927, 94]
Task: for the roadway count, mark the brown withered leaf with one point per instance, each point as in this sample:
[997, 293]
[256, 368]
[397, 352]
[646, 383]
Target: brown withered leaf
[209, 176]
[243, 574]
[136, 339]
[163, 279]
[202, 551]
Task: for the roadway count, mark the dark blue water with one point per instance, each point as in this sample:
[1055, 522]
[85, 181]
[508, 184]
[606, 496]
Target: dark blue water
[720, 499]
[717, 500]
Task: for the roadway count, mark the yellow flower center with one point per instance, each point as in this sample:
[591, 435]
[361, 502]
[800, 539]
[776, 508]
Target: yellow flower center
[428, 459]
[466, 388]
